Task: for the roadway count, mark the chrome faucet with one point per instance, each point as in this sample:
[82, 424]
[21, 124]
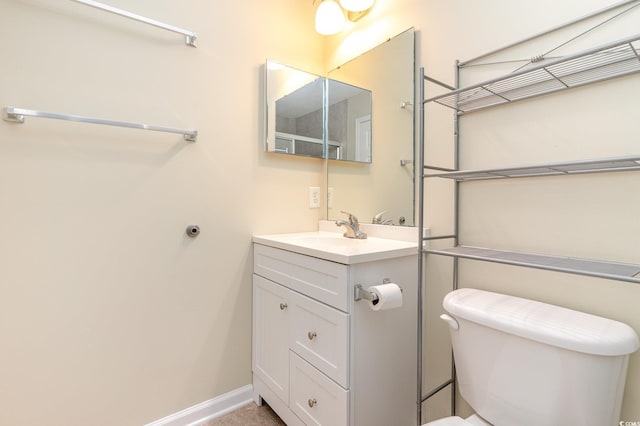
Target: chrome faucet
[352, 227]
[377, 219]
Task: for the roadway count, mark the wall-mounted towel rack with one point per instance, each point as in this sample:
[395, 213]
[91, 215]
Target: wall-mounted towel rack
[16, 115]
[189, 36]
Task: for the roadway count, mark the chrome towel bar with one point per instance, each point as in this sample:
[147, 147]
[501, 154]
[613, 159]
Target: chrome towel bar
[189, 36]
[16, 115]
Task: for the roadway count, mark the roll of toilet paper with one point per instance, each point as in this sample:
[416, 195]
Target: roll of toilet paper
[389, 296]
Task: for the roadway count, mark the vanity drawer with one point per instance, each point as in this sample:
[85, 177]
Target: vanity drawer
[320, 279]
[315, 398]
[320, 335]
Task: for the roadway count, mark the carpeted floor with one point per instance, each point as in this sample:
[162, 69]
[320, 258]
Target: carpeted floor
[250, 415]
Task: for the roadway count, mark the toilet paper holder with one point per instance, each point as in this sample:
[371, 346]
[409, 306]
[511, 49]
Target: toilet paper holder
[360, 293]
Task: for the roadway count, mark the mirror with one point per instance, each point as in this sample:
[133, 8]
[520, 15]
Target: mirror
[296, 99]
[386, 184]
[300, 101]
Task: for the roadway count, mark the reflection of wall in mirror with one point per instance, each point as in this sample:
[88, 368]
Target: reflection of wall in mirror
[365, 190]
[337, 127]
[309, 125]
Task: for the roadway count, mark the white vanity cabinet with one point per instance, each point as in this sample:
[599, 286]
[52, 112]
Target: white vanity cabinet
[321, 358]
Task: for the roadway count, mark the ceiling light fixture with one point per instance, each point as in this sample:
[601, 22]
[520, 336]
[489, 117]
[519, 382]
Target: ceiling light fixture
[330, 17]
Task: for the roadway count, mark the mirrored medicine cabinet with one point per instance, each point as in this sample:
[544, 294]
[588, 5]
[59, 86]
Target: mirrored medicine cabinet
[314, 116]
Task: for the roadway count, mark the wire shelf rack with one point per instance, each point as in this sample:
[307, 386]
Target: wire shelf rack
[594, 268]
[604, 62]
[602, 165]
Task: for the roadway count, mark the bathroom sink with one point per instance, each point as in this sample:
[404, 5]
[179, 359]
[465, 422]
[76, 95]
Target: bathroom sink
[335, 247]
[325, 240]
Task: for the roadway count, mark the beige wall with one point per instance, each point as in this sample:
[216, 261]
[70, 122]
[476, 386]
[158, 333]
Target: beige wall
[591, 216]
[109, 314]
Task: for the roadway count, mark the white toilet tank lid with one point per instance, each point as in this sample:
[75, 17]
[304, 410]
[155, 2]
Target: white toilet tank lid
[541, 322]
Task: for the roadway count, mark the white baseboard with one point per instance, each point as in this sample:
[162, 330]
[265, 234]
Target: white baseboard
[208, 410]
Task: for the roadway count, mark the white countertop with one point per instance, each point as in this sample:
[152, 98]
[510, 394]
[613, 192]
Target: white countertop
[334, 247]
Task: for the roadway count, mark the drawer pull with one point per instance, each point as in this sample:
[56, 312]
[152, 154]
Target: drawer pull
[311, 335]
[283, 306]
[312, 402]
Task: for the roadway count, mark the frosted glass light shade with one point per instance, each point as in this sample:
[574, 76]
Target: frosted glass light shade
[356, 5]
[329, 18]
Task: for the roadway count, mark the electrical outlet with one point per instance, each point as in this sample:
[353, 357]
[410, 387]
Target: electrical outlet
[330, 197]
[314, 197]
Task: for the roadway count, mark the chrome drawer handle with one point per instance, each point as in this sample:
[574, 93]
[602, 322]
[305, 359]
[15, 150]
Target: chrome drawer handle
[283, 306]
[311, 335]
[312, 402]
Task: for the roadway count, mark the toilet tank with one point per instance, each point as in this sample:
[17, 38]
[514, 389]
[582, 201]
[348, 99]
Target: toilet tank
[527, 363]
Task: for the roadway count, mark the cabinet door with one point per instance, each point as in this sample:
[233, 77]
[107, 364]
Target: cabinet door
[271, 335]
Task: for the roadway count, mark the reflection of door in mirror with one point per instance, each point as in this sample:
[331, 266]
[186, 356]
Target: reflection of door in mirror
[363, 139]
[383, 185]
